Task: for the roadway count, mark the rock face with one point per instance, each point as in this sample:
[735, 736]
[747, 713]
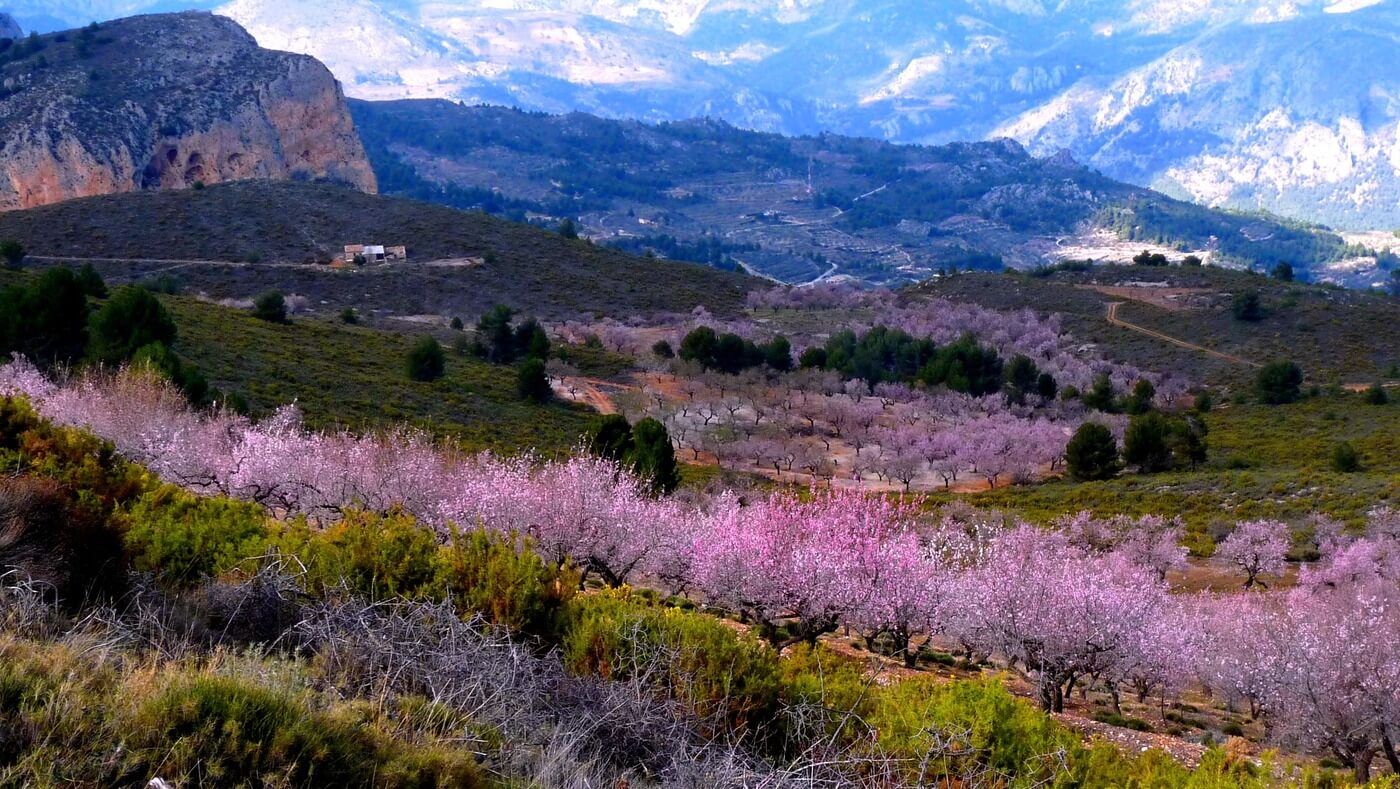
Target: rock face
[9, 28]
[166, 102]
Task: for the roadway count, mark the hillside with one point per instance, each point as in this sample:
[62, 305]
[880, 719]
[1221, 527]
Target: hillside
[353, 377]
[272, 234]
[1337, 336]
[799, 209]
[165, 102]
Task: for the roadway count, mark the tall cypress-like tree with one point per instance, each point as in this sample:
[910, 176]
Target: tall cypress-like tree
[653, 457]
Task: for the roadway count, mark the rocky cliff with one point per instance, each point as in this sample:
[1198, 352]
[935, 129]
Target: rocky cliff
[166, 101]
[9, 28]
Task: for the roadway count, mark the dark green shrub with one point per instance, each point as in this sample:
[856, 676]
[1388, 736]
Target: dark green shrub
[1376, 395]
[159, 359]
[1279, 382]
[1122, 721]
[133, 318]
[91, 282]
[271, 307]
[1345, 458]
[1141, 399]
[1145, 444]
[531, 341]
[349, 316]
[426, 361]
[1246, 306]
[532, 382]
[45, 319]
[13, 252]
[1100, 396]
[662, 349]
[1204, 402]
[654, 458]
[610, 437]
[1092, 453]
[494, 333]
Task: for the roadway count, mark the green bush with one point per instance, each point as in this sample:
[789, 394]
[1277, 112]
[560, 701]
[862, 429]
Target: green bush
[271, 307]
[997, 731]
[1092, 453]
[1122, 721]
[1279, 383]
[185, 539]
[377, 556]
[653, 457]
[91, 282]
[1346, 459]
[1246, 306]
[217, 731]
[501, 578]
[13, 252]
[45, 319]
[133, 318]
[426, 361]
[532, 383]
[1376, 395]
[727, 678]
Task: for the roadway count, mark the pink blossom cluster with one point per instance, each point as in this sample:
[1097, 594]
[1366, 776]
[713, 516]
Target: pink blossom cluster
[1085, 604]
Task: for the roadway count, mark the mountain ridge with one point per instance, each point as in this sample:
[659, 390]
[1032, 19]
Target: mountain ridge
[803, 208]
[166, 101]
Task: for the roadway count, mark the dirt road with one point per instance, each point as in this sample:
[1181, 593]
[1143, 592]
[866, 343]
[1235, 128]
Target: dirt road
[1117, 321]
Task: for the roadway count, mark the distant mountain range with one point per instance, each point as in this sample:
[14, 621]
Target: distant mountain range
[1286, 105]
[804, 208]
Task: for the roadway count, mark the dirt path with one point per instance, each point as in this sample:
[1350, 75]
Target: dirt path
[588, 391]
[1116, 321]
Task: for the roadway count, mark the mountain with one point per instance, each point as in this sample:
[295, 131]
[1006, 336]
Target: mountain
[1181, 97]
[165, 101]
[925, 72]
[805, 208]
[1298, 117]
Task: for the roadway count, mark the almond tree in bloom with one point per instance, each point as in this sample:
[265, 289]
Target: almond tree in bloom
[1060, 614]
[1150, 542]
[1334, 679]
[804, 564]
[1257, 548]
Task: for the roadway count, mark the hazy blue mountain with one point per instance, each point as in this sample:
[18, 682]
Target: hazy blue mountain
[1287, 105]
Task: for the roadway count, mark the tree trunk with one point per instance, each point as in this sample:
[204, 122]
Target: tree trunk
[1388, 745]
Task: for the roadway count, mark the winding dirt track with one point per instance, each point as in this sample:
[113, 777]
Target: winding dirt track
[1117, 321]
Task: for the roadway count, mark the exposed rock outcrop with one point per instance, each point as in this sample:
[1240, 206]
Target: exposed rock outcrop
[166, 101]
[9, 28]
